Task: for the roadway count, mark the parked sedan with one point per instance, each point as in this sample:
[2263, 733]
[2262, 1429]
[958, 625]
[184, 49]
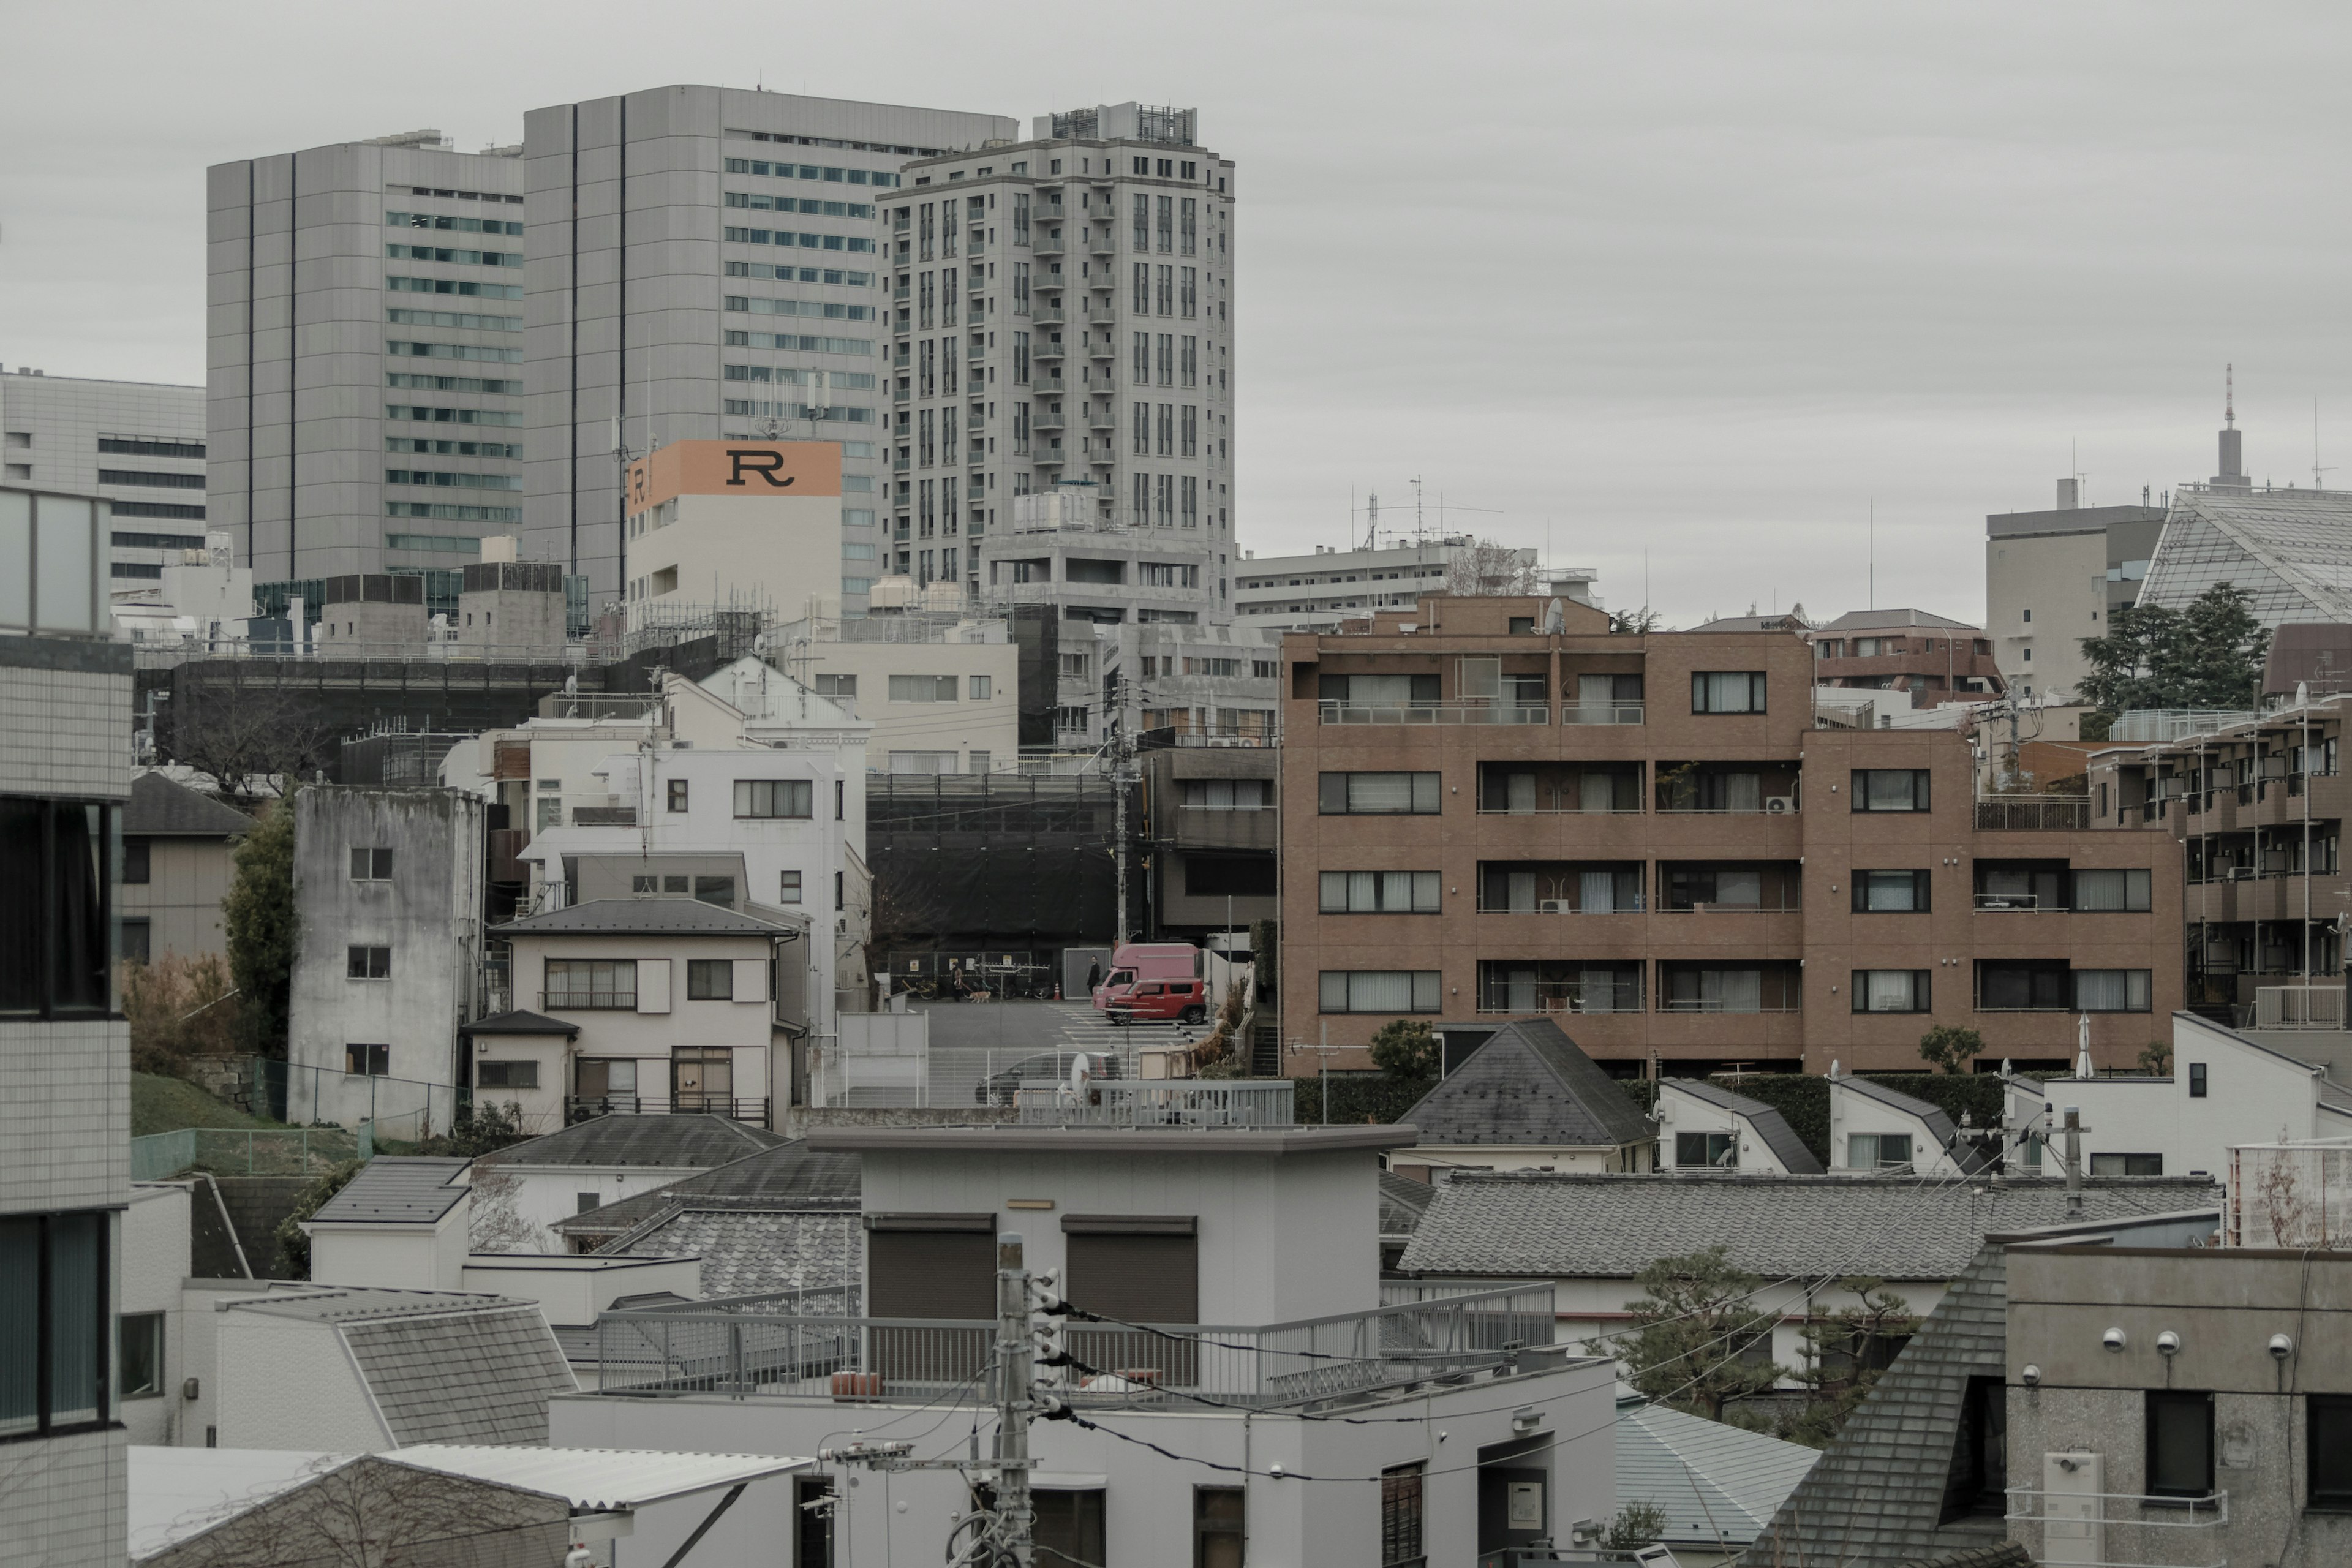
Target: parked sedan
[1046, 1067]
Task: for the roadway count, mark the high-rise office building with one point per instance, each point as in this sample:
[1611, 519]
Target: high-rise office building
[364, 380]
[139, 444]
[707, 262]
[1062, 321]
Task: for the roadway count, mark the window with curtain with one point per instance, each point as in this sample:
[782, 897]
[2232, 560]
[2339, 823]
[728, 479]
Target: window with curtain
[1890, 893]
[1877, 1150]
[56, 946]
[1379, 794]
[1379, 893]
[1728, 691]
[1890, 990]
[776, 797]
[1227, 794]
[1889, 789]
[1380, 991]
[1715, 991]
[2123, 890]
[2111, 989]
[55, 1295]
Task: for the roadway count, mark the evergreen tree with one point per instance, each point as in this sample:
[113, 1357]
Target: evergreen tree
[1695, 1330]
[258, 915]
[2209, 655]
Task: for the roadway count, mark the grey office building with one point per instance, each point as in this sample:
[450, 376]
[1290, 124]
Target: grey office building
[138, 444]
[707, 262]
[364, 380]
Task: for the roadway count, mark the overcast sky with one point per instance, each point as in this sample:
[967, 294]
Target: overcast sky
[1680, 288]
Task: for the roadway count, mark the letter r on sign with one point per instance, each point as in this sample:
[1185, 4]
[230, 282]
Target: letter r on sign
[764, 463]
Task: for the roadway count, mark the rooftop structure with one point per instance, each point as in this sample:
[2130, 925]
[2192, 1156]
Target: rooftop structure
[1528, 1098]
[2289, 550]
[2054, 577]
[1704, 1126]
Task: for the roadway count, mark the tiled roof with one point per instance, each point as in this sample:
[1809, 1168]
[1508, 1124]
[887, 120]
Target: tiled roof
[747, 1251]
[1610, 1227]
[2007, 1554]
[1867, 620]
[1939, 1126]
[1769, 1124]
[1402, 1202]
[397, 1190]
[1529, 1084]
[640, 916]
[520, 1022]
[689, 1141]
[1876, 1498]
[1716, 1483]
[469, 1377]
[159, 808]
[788, 1176]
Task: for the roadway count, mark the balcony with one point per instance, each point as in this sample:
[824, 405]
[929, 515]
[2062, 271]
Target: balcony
[1047, 245]
[2122, 1529]
[801, 1345]
[1600, 712]
[1101, 348]
[1559, 986]
[1048, 315]
[1045, 422]
[1595, 789]
[1101, 316]
[1448, 710]
[2033, 814]
[1225, 827]
[2298, 1006]
[1102, 245]
[588, 1000]
[687, 1102]
[1049, 385]
[1046, 350]
[1726, 789]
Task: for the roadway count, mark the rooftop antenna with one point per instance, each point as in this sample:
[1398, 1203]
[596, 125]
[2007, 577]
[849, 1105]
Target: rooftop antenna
[1373, 514]
[1419, 534]
[2317, 470]
[1873, 553]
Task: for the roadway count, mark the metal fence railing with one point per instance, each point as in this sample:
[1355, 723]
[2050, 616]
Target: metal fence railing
[2298, 1006]
[787, 1346]
[241, 1152]
[2033, 814]
[1177, 1102]
[1457, 711]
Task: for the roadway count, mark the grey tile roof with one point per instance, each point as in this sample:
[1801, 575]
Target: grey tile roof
[397, 1190]
[1877, 1495]
[1541, 1224]
[1864, 620]
[1716, 1483]
[1529, 1084]
[787, 1176]
[1402, 1202]
[2007, 1554]
[1939, 1126]
[640, 916]
[687, 1140]
[520, 1022]
[480, 1376]
[159, 808]
[1769, 1124]
[361, 1303]
[749, 1251]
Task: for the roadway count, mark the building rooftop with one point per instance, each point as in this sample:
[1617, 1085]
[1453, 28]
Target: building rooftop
[1529, 1084]
[1871, 620]
[397, 1190]
[1612, 1226]
[640, 916]
[1716, 1483]
[161, 808]
[520, 1022]
[1402, 1202]
[691, 1142]
[788, 1176]
[747, 1251]
[2290, 550]
[1769, 1124]
[1098, 1139]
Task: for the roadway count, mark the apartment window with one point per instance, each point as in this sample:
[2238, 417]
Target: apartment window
[55, 936]
[2179, 1444]
[840, 800]
[1728, 691]
[1380, 892]
[1163, 294]
[1164, 356]
[790, 892]
[677, 794]
[2126, 889]
[1141, 424]
[1877, 1150]
[368, 963]
[1890, 789]
[1142, 289]
[709, 980]
[1217, 1519]
[840, 890]
[922, 689]
[371, 865]
[368, 1060]
[138, 940]
[2330, 1450]
[2111, 989]
[139, 1337]
[2197, 1080]
[1375, 794]
[601, 1077]
[774, 797]
[53, 1300]
[136, 860]
[1382, 991]
[1890, 991]
[980, 687]
[1890, 893]
[506, 1075]
[593, 981]
[2127, 1165]
[1226, 795]
[1400, 1487]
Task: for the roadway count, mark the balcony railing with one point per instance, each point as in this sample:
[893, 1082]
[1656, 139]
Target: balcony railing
[1455, 710]
[2033, 814]
[776, 1346]
[1559, 907]
[1174, 1103]
[686, 1102]
[1718, 1004]
[1557, 810]
[2298, 1006]
[587, 1001]
[2027, 902]
[1600, 712]
[2124, 1530]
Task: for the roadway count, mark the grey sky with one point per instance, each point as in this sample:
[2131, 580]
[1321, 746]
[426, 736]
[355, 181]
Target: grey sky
[1698, 279]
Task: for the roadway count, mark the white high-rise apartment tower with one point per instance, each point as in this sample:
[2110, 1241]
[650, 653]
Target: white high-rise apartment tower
[364, 379]
[705, 263]
[139, 444]
[1063, 316]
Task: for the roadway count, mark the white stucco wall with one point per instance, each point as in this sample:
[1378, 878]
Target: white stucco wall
[571, 1291]
[392, 1257]
[1852, 1112]
[288, 1384]
[155, 1249]
[1689, 1114]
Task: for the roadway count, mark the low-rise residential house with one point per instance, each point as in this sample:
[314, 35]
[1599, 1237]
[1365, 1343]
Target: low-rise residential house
[788, 1176]
[1928, 660]
[785, 1219]
[151, 1332]
[1704, 1126]
[401, 1222]
[179, 850]
[1190, 1441]
[681, 1005]
[1715, 1485]
[596, 1160]
[1527, 1099]
[1874, 1128]
[1588, 1236]
[388, 886]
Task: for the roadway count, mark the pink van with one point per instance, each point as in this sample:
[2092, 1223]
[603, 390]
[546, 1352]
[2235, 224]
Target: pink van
[1153, 981]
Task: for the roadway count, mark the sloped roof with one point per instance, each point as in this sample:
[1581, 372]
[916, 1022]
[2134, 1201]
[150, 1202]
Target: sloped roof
[640, 916]
[2007, 1555]
[2290, 551]
[1769, 1124]
[160, 808]
[1402, 1202]
[1791, 622]
[750, 1251]
[1716, 1483]
[1868, 620]
[788, 1176]
[1968, 1156]
[397, 1190]
[687, 1140]
[520, 1022]
[1529, 1084]
[1543, 1224]
[482, 1376]
[1877, 1495]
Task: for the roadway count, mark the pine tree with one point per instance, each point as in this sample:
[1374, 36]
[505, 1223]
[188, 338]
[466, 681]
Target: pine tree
[258, 915]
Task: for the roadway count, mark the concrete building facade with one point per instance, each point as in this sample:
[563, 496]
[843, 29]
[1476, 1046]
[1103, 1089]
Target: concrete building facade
[1317, 592]
[736, 523]
[179, 855]
[941, 691]
[1649, 833]
[364, 389]
[138, 444]
[2053, 578]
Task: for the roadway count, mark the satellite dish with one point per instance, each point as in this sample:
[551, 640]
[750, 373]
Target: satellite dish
[1081, 1069]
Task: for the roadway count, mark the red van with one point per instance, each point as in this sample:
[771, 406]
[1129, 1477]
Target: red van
[1152, 981]
[1158, 1001]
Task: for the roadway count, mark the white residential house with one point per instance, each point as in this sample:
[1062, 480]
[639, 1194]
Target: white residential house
[1703, 1126]
[523, 1190]
[149, 1335]
[941, 690]
[1874, 1129]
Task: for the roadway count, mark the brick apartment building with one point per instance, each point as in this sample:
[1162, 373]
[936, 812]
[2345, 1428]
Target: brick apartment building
[1931, 659]
[1481, 817]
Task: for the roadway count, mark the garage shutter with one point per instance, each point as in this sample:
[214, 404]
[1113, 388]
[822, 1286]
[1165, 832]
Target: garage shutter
[931, 1265]
[1137, 1271]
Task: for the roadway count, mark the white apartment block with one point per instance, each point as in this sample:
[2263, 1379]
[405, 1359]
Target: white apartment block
[705, 263]
[942, 692]
[1317, 591]
[1062, 321]
[364, 389]
[139, 444]
[1165, 682]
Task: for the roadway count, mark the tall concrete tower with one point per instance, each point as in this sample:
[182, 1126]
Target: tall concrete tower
[2232, 475]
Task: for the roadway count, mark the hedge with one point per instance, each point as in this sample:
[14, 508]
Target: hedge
[1358, 1098]
[1804, 1100]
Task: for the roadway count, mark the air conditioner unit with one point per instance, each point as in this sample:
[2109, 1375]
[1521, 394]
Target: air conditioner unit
[1779, 805]
[1554, 907]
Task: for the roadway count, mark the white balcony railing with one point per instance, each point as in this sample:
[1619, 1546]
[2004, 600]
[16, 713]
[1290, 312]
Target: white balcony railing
[2298, 1006]
[1600, 712]
[2122, 1529]
[1456, 711]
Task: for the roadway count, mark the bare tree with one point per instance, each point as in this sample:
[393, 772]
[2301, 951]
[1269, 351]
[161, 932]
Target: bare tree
[497, 1223]
[1490, 570]
[251, 741]
[376, 1512]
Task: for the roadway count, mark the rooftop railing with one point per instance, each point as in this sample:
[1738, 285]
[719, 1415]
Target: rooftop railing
[2033, 814]
[2298, 1006]
[2144, 725]
[790, 1345]
[1165, 1103]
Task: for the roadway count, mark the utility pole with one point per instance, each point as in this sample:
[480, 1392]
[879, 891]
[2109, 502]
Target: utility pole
[1117, 747]
[1016, 1371]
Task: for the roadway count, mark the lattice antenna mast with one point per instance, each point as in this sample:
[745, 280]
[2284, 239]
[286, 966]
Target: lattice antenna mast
[2230, 397]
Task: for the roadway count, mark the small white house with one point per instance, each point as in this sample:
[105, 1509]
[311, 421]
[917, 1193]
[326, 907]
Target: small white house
[1874, 1129]
[155, 1259]
[1703, 1126]
[523, 1190]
